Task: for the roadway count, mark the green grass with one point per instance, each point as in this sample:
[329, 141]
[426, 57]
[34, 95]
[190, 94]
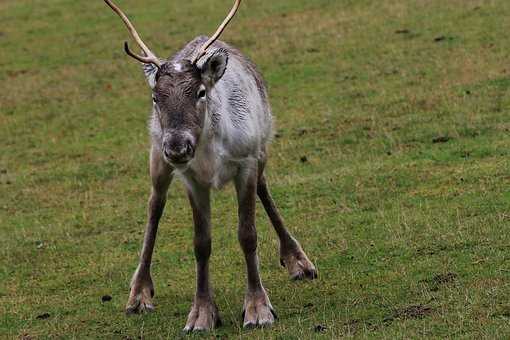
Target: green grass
[411, 237]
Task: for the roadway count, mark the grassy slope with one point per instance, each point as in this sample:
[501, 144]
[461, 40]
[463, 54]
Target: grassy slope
[379, 207]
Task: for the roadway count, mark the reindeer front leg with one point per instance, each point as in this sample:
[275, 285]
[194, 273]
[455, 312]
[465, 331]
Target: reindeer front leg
[142, 288]
[292, 255]
[257, 309]
[204, 313]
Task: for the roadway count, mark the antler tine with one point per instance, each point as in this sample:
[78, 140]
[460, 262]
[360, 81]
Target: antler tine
[150, 58]
[218, 32]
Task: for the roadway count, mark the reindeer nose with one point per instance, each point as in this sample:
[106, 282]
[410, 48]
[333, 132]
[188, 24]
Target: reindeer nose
[179, 149]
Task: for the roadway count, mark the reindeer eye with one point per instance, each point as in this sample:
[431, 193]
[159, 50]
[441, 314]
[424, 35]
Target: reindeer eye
[154, 100]
[201, 93]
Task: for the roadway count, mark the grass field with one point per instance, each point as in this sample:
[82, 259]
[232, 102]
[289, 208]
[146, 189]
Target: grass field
[390, 165]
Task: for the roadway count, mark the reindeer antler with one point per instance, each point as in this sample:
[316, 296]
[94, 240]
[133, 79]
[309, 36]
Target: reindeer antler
[218, 32]
[149, 58]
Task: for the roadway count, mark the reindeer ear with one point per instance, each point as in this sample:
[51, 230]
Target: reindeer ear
[214, 67]
[150, 71]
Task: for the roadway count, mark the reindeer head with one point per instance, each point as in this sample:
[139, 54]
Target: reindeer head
[180, 90]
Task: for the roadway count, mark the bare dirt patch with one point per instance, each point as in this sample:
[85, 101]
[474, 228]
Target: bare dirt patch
[408, 313]
[435, 282]
[444, 278]
[413, 312]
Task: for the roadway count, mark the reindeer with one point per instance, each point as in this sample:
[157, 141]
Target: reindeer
[211, 123]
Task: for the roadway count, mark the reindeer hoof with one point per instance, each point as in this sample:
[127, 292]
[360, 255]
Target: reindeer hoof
[304, 273]
[299, 266]
[140, 298]
[204, 316]
[257, 311]
[139, 304]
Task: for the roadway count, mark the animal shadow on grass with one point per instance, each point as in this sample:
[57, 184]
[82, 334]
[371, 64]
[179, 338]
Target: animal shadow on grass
[419, 311]
[415, 311]
[502, 312]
